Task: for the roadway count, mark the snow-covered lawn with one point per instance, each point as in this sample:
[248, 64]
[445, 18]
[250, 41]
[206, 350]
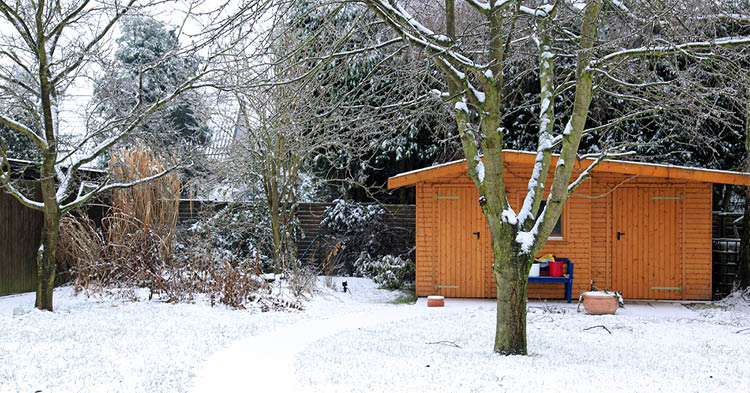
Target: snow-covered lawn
[359, 342]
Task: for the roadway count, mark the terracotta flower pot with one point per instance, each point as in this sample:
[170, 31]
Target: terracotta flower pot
[435, 301]
[598, 303]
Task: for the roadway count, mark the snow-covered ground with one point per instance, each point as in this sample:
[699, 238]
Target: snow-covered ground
[358, 342]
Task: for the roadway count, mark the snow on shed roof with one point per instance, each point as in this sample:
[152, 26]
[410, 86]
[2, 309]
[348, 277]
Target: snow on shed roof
[457, 168]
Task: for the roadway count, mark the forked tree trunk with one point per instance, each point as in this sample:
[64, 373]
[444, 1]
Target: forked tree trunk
[511, 271]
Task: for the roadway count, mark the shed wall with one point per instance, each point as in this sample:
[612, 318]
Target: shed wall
[587, 233]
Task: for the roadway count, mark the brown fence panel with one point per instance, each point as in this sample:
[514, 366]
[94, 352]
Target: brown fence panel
[191, 210]
[20, 233]
[401, 219]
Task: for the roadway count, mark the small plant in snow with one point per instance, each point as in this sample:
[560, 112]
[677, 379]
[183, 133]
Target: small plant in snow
[392, 272]
[364, 265]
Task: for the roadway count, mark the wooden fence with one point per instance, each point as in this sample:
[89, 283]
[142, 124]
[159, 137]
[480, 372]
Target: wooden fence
[726, 250]
[20, 233]
[400, 219]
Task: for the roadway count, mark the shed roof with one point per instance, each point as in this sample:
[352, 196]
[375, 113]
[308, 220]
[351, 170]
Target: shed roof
[457, 168]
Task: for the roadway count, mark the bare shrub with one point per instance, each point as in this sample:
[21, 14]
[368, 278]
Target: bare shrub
[139, 250]
[301, 279]
[233, 284]
[81, 250]
[227, 280]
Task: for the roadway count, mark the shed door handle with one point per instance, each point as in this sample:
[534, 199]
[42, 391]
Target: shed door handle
[620, 234]
[477, 233]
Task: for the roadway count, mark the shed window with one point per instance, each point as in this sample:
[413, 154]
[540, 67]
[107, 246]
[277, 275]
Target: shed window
[557, 230]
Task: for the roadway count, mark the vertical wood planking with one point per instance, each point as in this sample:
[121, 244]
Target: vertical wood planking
[595, 220]
[20, 233]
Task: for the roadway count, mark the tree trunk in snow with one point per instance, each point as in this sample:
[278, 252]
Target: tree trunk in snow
[511, 278]
[46, 260]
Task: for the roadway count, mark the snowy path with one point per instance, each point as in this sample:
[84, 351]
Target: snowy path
[268, 359]
[355, 342]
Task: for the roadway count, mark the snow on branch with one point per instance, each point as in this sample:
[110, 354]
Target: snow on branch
[668, 49]
[536, 181]
[587, 172]
[488, 6]
[18, 127]
[628, 84]
[598, 158]
[480, 5]
[441, 38]
[619, 5]
[84, 196]
[409, 28]
[5, 174]
[542, 11]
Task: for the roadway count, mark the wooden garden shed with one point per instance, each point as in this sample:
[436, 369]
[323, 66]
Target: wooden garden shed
[643, 229]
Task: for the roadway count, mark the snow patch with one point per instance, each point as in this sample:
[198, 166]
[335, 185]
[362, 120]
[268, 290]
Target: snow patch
[568, 127]
[461, 106]
[480, 170]
[509, 216]
[526, 240]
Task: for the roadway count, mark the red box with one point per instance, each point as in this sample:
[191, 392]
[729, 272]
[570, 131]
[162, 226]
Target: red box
[556, 269]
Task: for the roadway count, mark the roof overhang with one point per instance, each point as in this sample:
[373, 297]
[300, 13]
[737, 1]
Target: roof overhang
[458, 168]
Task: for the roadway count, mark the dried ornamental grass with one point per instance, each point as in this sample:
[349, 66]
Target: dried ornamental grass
[150, 207]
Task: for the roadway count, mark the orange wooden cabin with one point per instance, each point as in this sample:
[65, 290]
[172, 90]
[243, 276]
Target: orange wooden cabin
[643, 229]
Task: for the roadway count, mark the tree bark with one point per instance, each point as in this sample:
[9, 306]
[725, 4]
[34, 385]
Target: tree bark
[46, 261]
[46, 257]
[511, 278]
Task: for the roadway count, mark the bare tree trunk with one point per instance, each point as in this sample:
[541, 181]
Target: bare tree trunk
[46, 256]
[512, 279]
[726, 198]
[272, 194]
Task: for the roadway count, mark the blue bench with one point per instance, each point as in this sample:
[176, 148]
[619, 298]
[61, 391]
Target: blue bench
[567, 278]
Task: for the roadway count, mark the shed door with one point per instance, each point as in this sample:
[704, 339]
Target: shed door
[646, 242]
[460, 269]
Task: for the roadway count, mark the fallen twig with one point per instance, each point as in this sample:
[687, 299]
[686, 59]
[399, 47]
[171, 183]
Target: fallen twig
[598, 326]
[448, 343]
[741, 330]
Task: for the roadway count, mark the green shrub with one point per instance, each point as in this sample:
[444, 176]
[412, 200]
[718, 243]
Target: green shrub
[392, 272]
